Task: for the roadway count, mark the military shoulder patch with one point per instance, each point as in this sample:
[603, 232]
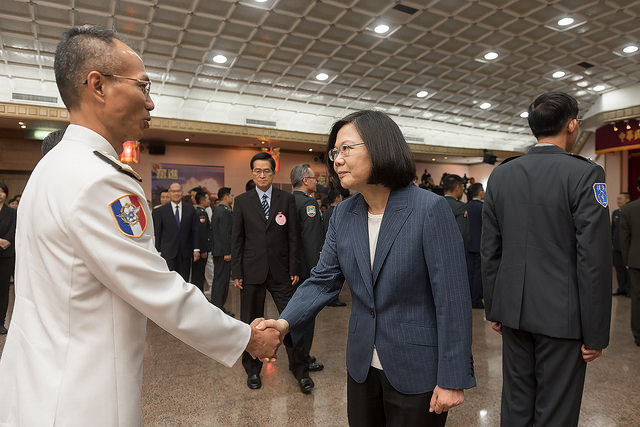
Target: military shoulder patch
[129, 215]
[600, 191]
[311, 211]
[119, 166]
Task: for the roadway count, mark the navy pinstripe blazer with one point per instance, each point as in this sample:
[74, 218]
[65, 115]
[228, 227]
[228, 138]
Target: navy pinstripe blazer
[415, 304]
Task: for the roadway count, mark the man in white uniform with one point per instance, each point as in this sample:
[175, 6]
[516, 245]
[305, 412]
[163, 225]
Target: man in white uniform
[88, 274]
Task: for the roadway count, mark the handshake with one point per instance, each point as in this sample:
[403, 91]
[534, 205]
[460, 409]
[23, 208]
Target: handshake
[266, 337]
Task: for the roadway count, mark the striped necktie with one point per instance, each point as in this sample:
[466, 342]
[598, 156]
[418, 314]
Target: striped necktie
[265, 205]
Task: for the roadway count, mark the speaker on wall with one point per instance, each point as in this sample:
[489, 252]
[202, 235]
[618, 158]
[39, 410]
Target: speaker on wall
[489, 157]
[156, 148]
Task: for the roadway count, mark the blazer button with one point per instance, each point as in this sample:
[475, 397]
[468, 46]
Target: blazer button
[373, 314]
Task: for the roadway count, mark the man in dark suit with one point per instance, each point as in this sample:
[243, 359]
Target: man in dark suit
[546, 271]
[453, 188]
[176, 230]
[311, 237]
[7, 251]
[264, 256]
[475, 195]
[221, 222]
[630, 245]
[204, 238]
[621, 271]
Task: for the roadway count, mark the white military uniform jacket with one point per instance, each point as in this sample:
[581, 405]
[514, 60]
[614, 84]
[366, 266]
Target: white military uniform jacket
[85, 285]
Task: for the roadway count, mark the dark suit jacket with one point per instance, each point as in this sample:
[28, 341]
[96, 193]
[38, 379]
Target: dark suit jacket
[459, 210]
[419, 265]
[326, 216]
[474, 209]
[311, 236]
[8, 230]
[546, 247]
[172, 241]
[615, 230]
[221, 222]
[204, 230]
[259, 245]
[630, 234]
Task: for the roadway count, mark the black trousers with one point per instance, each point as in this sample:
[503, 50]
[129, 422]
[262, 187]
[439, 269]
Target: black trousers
[220, 285]
[197, 272]
[475, 277]
[180, 265]
[252, 305]
[375, 403]
[543, 379]
[634, 276]
[6, 270]
[621, 273]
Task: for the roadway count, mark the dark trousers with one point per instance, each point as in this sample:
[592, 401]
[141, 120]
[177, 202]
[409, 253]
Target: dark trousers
[307, 338]
[197, 272]
[252, 305]
[6, 270]
[475, 277]
[375, 403]
[220, 285]
[634, 276]
[180, 265]
[543, 379]
[621, 272]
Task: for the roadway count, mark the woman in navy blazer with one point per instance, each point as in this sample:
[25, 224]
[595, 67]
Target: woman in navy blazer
[409, 346]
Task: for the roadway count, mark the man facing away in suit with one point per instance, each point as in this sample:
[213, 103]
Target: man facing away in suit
[453, 188]
[264, 256]
[221, 222]
[546, 268]
[622, 275]
[176, 231]
[475, 194]
[204, 238]
[630, 245]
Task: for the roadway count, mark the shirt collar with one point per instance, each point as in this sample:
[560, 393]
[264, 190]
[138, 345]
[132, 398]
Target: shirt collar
[90, 138]
[261, 193]
[173, 205]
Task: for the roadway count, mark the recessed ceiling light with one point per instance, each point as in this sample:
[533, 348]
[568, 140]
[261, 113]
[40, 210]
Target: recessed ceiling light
[219, 59]
[422, 94]
[485, 105]
[566, 21]
[433, 159]
[310, 149]
[445, 157]
[583, 84]
[262, 142]
[630, 49]
[260, 1]
[599, 88]
[581, 93]
[558, 74]
[20, 123]
[23, 126]
[322, 76]
[187, 139]
[524, 114]
[381, 29]
[490, 56]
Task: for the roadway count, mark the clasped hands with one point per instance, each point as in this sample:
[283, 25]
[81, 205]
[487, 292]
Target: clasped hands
[266, 337]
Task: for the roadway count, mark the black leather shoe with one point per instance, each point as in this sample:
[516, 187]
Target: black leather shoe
[619, 292]
[254, 382]
[314, 367]
[312, 359]
[337, 303]
[3, 330]
[306, 385]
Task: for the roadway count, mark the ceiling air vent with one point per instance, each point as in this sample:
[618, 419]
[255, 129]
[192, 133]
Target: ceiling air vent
[413, 139]
[37, 98]
[255, 122]
[585, 64]
[406, 9]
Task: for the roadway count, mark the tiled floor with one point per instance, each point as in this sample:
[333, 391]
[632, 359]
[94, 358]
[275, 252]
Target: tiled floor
[184, 388]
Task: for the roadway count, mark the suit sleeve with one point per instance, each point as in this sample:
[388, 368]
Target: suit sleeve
[237, 242]
[294, 268]
[593, 246]
[625, 235]
[490, 248]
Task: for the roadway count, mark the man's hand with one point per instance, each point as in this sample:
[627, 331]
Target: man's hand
[4, 244]
[444, 399]
[294, 279]
[497, 326]
[203, 255]
[589, 355]
[280, 324]
[227, 258]
[196, 255]
[237, 283]
[264, 343]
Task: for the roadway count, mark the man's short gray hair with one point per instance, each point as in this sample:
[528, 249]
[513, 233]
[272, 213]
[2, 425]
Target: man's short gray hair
[298, 173]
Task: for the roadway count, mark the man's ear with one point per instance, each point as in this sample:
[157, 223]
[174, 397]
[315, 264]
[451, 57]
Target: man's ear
[95, 82]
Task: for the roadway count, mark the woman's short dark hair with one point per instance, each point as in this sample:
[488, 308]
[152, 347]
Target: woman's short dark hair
[392, 162]
[264, 156]
[550, 112]
[474, 190]
[4, 188]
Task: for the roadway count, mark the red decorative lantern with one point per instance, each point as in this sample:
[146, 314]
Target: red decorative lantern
[130, 152]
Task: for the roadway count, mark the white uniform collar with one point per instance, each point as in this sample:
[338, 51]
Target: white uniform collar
[88, 138]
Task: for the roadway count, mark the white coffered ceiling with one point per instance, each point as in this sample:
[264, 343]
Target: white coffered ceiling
[276, 48]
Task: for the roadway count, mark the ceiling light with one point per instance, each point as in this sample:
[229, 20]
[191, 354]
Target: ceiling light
[524, 114]
[20, 123]
[186, 139]
[260, 1]
[491, 56]
[628, 126]
[485, 105]
[581, 93]
[310, 149]
[262, 142]
[433, 159]
[599, 88]
[445, 157]
[565, 21]
[583, 84]
[322, 76]
[630, 49]
[219, 59]
[381, 29]
[615, 128]
[558, 74]
[422, 94]
[23, 126]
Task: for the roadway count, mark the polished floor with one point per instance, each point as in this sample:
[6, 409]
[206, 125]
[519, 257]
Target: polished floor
[182, 387]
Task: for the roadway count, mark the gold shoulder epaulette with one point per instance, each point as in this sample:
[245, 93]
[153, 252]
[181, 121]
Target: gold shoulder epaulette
[119, 166]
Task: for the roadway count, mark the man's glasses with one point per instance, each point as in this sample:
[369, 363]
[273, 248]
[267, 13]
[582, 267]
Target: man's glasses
[311, 177]
[145, 85]
[265, 172]
[345, 150]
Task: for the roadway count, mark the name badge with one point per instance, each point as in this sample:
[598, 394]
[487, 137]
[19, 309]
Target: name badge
[281, 219]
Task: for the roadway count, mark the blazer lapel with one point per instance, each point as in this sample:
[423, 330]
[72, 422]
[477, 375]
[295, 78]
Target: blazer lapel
[395, 215]
[359, 221]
